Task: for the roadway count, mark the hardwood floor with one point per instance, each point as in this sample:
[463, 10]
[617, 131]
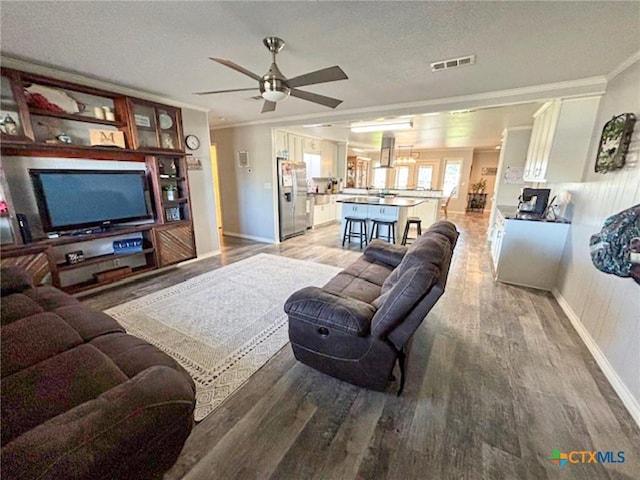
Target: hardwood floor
[497, 379]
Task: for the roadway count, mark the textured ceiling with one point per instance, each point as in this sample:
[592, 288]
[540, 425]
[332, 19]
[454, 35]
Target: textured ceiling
[384, 47]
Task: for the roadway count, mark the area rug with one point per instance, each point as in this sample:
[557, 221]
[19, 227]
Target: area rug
[222, 326]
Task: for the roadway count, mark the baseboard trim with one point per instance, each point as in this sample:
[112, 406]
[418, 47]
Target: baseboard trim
[249, 237]
[616, 382]
[210, 254]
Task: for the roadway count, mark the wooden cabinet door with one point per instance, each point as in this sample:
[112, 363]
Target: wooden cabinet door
[174, 244]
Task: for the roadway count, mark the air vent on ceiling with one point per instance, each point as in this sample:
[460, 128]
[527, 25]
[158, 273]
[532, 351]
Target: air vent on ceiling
[453, 63]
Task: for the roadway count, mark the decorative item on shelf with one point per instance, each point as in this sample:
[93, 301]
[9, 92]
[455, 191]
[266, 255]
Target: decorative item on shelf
[10, 127]
[142, 120]
[74, 257]
[127, 245]
[173, 170]
[161, 168]
[165, 121]
[167, 141]
[50, 99]
[106, 138]
[194, 163]
[614, 143]
[4, 208]
[108, 114]
[98, 112]
[170, 192]
[64, 138]
[172, 214]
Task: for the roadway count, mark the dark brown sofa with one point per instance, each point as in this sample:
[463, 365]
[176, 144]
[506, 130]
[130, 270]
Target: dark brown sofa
[359, 325]
[82, 399]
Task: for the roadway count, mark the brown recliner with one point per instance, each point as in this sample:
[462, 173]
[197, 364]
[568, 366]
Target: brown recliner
[82, 399]
[359, 324]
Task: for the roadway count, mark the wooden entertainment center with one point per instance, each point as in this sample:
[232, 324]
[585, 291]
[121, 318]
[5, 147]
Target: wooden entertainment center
[57, 123]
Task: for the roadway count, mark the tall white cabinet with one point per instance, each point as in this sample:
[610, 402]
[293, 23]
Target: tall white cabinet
[560, 140]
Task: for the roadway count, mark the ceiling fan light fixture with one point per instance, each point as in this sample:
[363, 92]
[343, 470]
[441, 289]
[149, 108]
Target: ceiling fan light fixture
[381, 126]
[274, 95]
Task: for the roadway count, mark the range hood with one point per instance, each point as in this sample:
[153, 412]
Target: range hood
[387, 150]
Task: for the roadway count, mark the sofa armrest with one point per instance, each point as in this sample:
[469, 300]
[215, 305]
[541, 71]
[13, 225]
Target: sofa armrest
[385, 252]
[318, 307]
[134, 428]
[14, 279]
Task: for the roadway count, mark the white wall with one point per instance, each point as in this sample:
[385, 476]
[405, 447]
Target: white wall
[247, 194]
[484, 159]
[606, 307]
[203, 207]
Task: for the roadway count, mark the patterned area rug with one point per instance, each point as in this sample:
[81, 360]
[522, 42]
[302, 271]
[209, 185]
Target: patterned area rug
[222, 326]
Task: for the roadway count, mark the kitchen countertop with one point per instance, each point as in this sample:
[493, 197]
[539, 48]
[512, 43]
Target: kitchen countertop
[389, 201]
[511, 213]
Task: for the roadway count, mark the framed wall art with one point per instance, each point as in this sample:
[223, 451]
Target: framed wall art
[614, 143]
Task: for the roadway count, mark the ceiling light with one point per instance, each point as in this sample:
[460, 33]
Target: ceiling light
[274, 95]
[381, 126]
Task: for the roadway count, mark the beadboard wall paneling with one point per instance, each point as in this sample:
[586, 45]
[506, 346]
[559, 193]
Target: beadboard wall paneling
[607, 306]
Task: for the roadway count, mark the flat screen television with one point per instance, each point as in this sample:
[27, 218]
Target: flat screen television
[80, 199]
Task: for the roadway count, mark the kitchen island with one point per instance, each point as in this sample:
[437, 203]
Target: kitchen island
[389, 208]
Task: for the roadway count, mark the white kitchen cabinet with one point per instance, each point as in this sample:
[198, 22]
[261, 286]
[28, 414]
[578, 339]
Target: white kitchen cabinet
[324, 214]
[560, 139]
[296, 147]
[527, 252]
[381, 212]
[312, 145]
[329, 154]
[282, 144]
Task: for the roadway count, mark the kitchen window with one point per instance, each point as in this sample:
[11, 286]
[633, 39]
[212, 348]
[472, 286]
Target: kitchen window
[402, 177]
[452, 170]
[380, 177]
[425, 177]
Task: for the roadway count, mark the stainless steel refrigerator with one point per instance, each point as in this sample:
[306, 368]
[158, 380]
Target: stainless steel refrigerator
[292, 198]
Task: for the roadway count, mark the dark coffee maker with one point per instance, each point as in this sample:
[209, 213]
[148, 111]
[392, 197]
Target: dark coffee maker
[533, 201]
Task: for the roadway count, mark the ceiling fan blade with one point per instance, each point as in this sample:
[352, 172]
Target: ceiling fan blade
[226, 91]
[268, 106]
[330, 74]
[315, 98]
[236, 67]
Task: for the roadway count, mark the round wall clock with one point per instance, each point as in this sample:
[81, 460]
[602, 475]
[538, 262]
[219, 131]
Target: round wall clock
[192, 142]
[614, 143]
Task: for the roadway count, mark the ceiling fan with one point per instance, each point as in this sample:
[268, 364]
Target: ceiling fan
[274, 86]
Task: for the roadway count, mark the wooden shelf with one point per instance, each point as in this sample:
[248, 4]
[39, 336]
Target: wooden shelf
[73, 117]
[89, 284]
[63, 266]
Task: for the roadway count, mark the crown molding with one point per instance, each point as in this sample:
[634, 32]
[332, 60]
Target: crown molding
[623, 66]
[18, 64]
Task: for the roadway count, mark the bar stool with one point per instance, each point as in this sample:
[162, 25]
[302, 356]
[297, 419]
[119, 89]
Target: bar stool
[361, 234]
[391, 230]
[411, 221]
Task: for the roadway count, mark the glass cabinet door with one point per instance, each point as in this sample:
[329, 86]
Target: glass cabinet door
[144, 117]
[11, 123]
[155, 126]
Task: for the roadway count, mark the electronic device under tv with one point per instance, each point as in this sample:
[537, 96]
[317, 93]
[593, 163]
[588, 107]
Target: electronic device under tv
[72, 200]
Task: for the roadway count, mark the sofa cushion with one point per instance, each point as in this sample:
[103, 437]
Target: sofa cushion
[38, 393]
[443, 227]
[16, 306]
[384, 252]
[87, 322]
[427, 251]
[33, 339]
[360, 280]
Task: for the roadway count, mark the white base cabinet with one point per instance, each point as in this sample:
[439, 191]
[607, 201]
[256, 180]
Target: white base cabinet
[379, 212]
[528, 253]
